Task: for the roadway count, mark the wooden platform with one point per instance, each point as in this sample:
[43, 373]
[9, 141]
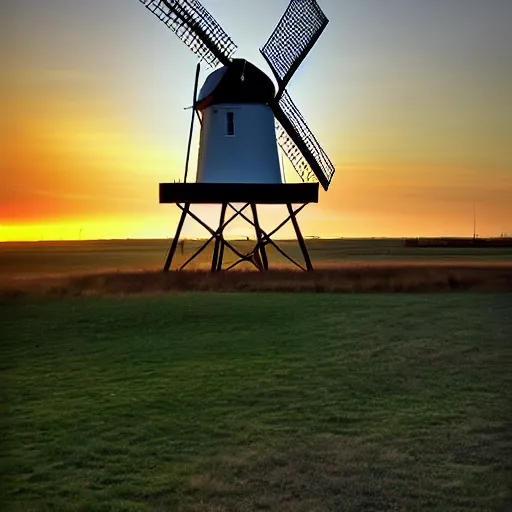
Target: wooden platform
[255, 193]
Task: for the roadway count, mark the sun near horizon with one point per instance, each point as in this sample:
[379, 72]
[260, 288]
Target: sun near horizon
[411, 100]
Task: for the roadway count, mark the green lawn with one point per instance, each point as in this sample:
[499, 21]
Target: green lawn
[281, 402]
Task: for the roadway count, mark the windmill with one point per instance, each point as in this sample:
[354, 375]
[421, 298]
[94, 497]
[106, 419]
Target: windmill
[243, 120]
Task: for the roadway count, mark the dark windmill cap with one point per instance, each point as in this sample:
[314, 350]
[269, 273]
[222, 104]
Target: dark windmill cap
[239, 82]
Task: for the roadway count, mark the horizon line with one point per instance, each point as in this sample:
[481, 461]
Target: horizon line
[249, 239]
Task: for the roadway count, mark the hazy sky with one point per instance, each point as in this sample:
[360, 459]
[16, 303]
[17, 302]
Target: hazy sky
[412, 99]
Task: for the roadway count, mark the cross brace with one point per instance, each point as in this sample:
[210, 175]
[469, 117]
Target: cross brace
[258, 256]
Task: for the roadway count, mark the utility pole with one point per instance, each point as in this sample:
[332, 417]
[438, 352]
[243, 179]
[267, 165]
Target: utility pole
[474, 222]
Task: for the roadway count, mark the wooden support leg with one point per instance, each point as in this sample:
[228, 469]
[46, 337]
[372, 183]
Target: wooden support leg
[174, 243]
[221, 248]
[259, 238]
[218, 250]
[300, 239]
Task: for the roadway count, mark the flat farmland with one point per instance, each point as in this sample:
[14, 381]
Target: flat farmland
[31, 258]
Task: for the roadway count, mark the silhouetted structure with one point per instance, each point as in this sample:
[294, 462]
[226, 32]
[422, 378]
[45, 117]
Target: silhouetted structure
[461, 242]
[239, 111]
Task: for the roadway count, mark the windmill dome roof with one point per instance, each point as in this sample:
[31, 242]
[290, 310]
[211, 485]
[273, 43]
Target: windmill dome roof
[238, 82]
[211, 82]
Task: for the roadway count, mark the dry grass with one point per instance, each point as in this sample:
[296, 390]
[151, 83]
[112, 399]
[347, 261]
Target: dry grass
[352, 278]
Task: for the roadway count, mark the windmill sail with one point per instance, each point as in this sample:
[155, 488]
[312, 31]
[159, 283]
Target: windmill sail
[196, 27]
[300, 145]
[296, 33]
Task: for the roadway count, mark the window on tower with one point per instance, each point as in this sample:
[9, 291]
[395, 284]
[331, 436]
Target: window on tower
[230, 124]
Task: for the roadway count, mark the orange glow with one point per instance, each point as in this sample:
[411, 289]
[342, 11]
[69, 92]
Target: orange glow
[66, 170]
[74, 171]
[73, 175]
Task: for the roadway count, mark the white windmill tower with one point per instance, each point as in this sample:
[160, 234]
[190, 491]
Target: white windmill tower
[238, 139]
[240, 111]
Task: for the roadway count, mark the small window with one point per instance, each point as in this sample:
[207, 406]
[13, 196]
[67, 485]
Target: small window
[230, 124]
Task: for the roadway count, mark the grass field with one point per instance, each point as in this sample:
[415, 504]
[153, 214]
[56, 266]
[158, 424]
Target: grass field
[279, 402]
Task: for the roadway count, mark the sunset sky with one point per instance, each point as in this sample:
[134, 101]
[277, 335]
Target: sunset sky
[412, 100]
